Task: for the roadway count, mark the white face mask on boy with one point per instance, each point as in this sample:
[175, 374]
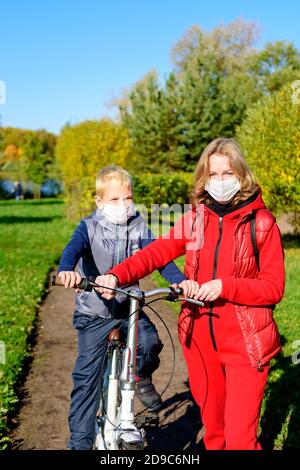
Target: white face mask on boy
[118, 214]
[223, 191]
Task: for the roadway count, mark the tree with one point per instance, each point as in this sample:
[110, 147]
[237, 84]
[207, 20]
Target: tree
[38, 152]
[155, 125]
[277, 64]
[217, 76]
[232, 44]
[205, 96]
[270, 137]
[27, 155]
[141, 117]
[82, 150]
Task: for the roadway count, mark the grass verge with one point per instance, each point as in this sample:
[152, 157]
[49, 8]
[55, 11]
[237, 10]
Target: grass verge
[32, 236]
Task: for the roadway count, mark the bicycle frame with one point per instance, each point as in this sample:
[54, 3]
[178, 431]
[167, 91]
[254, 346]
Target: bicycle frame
[115, 427]
[119, 428]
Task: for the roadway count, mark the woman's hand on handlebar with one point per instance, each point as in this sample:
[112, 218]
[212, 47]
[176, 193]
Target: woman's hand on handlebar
[207, 292]
[210, 291]
[190, 288]
[70, 278]
[107, 280]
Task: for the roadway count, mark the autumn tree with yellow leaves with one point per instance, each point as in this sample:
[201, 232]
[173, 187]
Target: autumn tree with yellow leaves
[82, 150]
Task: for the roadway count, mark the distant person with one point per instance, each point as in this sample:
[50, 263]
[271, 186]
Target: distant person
[18, 190]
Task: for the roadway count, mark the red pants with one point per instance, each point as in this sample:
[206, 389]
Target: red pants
[227, 388]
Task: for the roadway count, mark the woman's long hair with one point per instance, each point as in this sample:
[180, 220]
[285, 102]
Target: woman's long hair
[230, 148]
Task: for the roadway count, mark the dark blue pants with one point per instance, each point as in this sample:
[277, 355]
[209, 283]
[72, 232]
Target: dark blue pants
[92, 333]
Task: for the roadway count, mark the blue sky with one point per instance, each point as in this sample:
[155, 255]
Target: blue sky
[63, 61]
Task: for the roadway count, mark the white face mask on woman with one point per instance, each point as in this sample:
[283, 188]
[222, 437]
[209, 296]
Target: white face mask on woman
[118, 214]
[223, 191]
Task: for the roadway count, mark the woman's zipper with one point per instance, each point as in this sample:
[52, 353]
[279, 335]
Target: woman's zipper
[211, 305]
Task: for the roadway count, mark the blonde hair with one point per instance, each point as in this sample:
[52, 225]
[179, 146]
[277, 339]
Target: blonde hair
[230, 148]
[111, 173]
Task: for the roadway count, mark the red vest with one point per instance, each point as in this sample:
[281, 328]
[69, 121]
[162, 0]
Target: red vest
[258, 327]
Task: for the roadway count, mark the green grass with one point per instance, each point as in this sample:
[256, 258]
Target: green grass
[32, 236]
[280, 417]
[280, 422]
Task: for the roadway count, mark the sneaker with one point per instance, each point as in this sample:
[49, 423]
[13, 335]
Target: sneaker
[148, 396]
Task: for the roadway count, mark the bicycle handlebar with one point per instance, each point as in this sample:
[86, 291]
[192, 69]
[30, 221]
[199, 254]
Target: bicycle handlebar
[88, 283]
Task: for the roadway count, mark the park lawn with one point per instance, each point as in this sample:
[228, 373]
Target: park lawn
[280, 417]
[32, 236]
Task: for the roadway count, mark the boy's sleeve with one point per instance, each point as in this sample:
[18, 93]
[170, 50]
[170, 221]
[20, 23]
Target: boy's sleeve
[78, 244]
[170, 272]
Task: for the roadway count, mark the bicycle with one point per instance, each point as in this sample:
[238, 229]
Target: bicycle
[116, 427]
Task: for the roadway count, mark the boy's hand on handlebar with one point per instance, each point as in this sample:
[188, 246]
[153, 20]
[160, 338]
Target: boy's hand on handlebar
[107, 281]
[210, 291]
[70, 278]
[190, 288]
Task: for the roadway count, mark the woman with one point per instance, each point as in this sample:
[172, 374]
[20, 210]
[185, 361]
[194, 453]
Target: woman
[229, 342]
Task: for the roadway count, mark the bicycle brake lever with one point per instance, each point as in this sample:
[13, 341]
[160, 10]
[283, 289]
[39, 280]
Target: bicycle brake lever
[170, 298]
[86, 283]
[174, 293]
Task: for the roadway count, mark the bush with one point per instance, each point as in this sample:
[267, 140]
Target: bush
[82, 151]
[85, 148]
[270, 137]
[161, 189]
[148, 189]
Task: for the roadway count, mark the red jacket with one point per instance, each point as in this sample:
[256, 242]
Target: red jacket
[224, 252]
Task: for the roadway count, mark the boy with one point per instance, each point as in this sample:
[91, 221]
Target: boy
[102, 240]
